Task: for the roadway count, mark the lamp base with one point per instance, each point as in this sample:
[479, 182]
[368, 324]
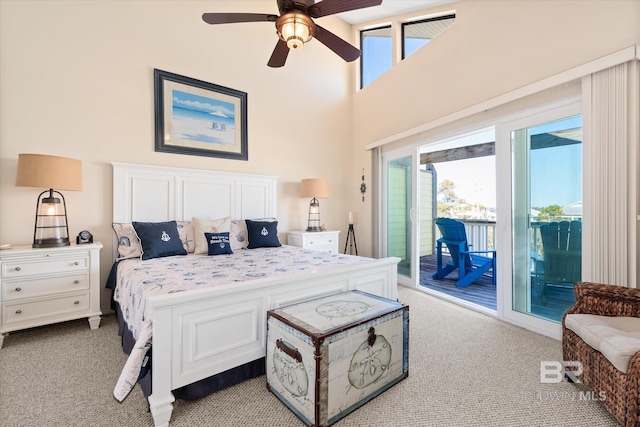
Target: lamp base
[51, 243]
[313, 229]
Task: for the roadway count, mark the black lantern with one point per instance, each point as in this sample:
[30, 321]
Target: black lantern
[51, 228]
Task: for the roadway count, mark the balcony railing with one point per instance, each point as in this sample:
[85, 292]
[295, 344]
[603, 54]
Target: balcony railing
[480, 234]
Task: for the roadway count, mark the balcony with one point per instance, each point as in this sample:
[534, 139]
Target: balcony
[481, 235]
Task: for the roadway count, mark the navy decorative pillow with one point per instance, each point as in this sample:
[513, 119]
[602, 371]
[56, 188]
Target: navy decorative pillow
[159, 239]
[262, 234]
[218, 243]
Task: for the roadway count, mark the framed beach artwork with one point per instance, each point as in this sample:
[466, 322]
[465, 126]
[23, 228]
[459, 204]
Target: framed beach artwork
[199, 118]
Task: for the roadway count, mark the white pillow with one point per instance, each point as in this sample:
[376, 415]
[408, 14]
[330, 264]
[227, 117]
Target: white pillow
[238, 236]
[185, 229]
[128, 242]
[201, 226]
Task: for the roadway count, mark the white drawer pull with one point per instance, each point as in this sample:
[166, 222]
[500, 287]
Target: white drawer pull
[18, 289]
[75, 282]
[18, 269]
[76, 302]
[18, 311]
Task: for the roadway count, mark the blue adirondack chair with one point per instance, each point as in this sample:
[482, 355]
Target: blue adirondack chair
[471, 265]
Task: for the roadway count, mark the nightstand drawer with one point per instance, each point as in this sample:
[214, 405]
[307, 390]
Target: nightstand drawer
[45, 309]
[325, 248]
[320, 239]
[33, 266]
[16, 289]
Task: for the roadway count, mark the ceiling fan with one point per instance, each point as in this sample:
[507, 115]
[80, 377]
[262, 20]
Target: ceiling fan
[295, 25]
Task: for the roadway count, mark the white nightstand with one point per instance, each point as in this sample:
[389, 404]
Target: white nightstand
[322, 240]
[48, 285]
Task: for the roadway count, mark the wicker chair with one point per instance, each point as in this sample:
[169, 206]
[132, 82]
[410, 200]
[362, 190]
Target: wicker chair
[599, 375]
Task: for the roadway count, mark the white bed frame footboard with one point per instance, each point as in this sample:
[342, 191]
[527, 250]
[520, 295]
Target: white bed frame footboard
[204, 332]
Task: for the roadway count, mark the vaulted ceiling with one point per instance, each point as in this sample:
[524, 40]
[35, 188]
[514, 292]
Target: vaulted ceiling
[389, 8]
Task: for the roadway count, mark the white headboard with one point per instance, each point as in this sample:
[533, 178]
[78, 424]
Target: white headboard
[159, 193]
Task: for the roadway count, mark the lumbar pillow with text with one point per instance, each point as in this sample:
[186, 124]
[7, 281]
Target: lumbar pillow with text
[159, 239]
[262, 234]
[218, 243]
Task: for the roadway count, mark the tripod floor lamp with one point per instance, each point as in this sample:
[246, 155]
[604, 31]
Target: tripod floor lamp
[351, 237]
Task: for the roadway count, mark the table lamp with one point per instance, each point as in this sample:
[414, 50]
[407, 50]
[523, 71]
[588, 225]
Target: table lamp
[315, 188]
[43, 171]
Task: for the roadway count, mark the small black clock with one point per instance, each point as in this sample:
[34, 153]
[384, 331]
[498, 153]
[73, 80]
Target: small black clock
[84, 237]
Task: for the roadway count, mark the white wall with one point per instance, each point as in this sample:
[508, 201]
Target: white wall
[76, 80]
[494, 47]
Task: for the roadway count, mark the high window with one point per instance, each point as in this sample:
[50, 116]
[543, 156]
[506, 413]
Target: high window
[418, 33]
[375, 44]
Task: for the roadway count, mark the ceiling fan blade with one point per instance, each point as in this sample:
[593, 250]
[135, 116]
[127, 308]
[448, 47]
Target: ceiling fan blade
[336, 44]
[329, 7]
[279, 55]
[230, 18]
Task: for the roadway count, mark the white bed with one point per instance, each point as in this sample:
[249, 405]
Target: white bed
[203, 332]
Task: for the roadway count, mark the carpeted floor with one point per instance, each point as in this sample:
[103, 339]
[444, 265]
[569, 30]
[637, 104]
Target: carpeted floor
[465, 369]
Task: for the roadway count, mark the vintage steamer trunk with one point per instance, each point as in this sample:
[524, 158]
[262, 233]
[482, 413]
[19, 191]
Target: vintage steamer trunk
[327, 357]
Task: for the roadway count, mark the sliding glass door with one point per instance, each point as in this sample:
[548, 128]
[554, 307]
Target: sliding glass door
[400, 212]
[545, 152]
[547, 217]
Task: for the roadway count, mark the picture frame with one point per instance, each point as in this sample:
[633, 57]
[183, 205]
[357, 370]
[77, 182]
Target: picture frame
[194, 117]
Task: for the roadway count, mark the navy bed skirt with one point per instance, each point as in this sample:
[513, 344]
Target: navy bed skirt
[200, 388]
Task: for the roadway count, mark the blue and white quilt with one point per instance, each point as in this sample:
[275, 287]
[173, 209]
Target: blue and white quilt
[138, 280]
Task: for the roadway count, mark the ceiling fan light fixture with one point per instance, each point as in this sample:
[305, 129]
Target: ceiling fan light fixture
[295, 29]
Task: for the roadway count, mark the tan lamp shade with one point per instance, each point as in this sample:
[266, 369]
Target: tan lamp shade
[314, 187]
[44, 171]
